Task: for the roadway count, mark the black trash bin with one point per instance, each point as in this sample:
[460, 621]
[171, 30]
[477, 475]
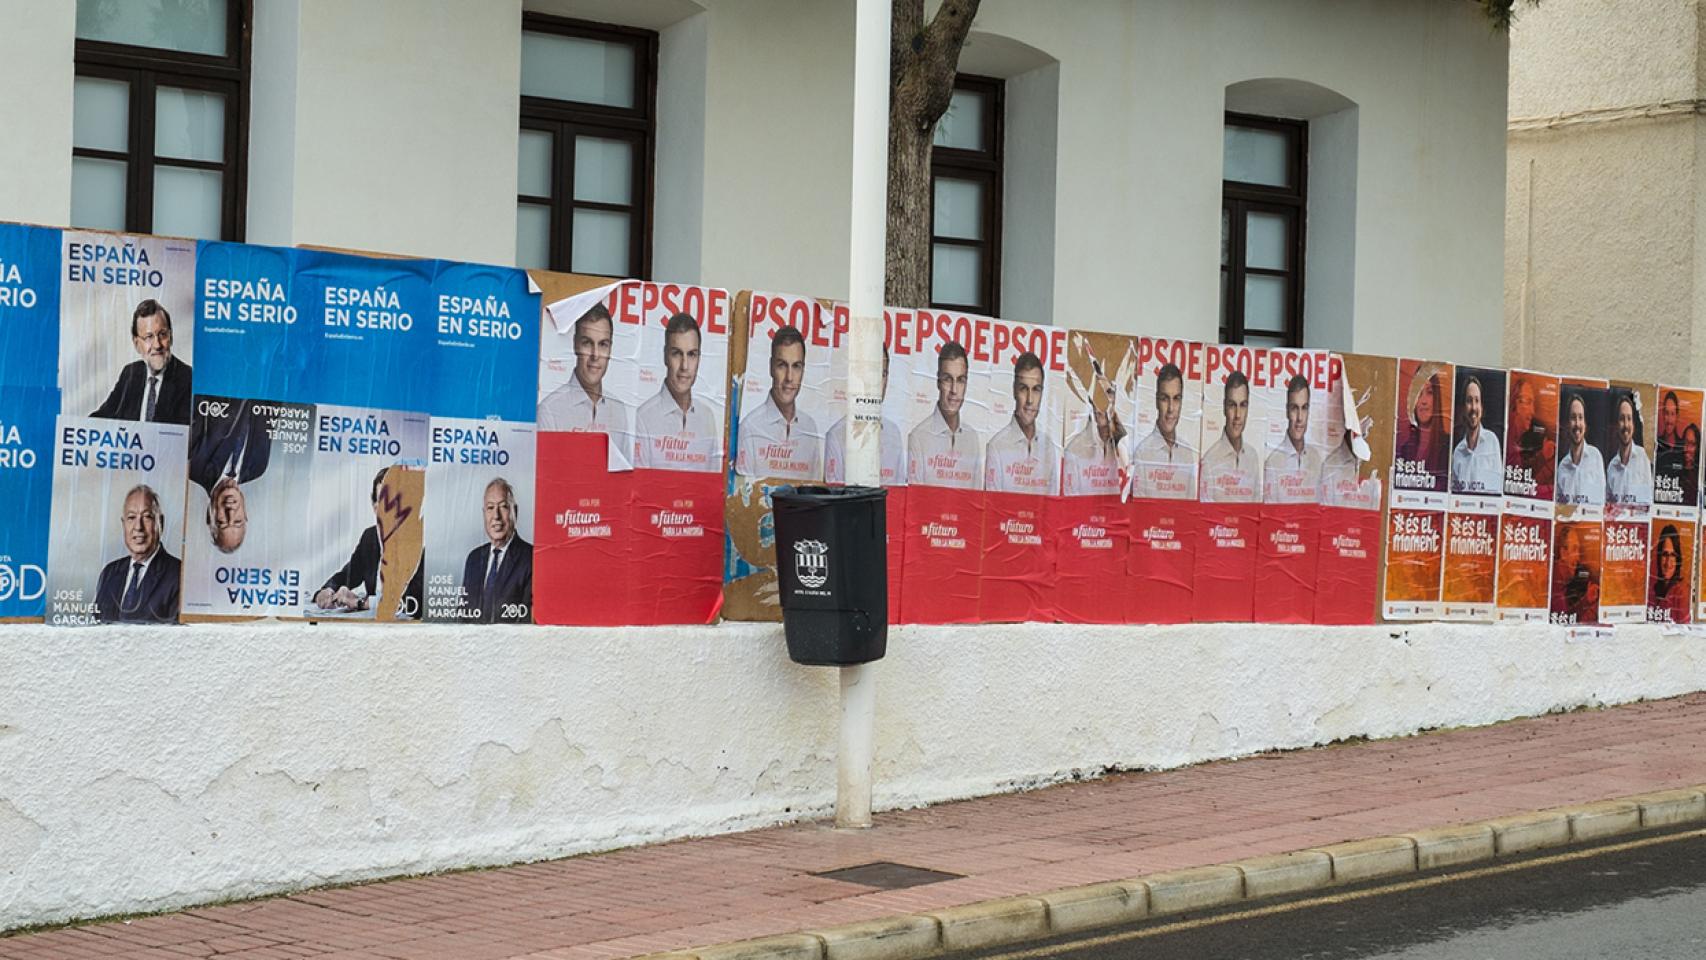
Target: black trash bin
[832, 567]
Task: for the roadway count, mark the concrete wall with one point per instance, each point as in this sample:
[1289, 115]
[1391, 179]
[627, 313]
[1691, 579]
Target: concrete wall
[1602, 227]
[147, 768]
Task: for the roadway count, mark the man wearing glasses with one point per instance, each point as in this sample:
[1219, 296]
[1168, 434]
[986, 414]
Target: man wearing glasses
[156, 388]
[942, 451]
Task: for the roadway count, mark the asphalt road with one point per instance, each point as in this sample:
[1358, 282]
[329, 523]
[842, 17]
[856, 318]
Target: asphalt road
[1633, 900]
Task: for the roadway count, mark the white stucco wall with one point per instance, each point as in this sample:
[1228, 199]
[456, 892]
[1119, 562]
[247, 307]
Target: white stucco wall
[36, 76]
[147, 768]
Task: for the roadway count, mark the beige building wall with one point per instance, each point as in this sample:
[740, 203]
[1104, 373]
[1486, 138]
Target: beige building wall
[1603, 184]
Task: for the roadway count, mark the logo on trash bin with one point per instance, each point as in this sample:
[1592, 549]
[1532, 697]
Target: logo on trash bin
[811, 563]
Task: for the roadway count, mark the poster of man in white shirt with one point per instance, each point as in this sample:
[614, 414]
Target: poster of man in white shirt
[1165, 461]
[1232, 465]
[1023, 457]
[944, 449]
[1292, 471]
[1581, 467]
[676, 429]
[1477, 455]
[583, 405]
[893, 441]
[1629, 468]
[778, 439]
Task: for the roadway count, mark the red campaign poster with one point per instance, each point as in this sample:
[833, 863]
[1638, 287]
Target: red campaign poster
[1347, 570]
[1223, 585]
[1092, 539]
[894, 512]
[675, 530]
[580, 554]
[944, 554]
[1018, 559]
[1286, 561]
[1161, 561]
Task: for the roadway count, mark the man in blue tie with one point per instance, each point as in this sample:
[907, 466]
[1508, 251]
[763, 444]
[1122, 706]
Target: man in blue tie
[229, 446]
[497, 579]
[142, 586]
[156, 388]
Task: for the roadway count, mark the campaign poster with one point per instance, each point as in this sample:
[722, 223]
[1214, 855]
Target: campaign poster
[126, 342]
[1670, 585]
[1296, 405]
[1629, 449]
[1623, 571]
[257, 339]
[644, 365]
[1421, 454]
[478, 515]
[1415, 561]
[369, 331]
[115, 554]
[582, 554]
[1165, 469]
[1348, 562]
[1584, 408]
[1576, 568]
[1531, 445]
[1476, 500]
[1229, 513]
[1090, 522]
[1525, 564]
[1471, 566]
[1021, 479]
[1676, 468]
[792, 391]
[29, 404]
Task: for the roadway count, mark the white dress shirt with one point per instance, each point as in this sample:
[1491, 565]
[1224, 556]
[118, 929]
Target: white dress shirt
[1018, 464]
[772, 446]
[667, 437]
[1092, 466]
[1629, 484]
[1584, 482]
[1165, 470]
[1291, 475]
[1481, 470]
[893, 454]
[1231, 476]
[938, 456]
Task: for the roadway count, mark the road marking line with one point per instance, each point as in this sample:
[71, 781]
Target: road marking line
[1182, 925]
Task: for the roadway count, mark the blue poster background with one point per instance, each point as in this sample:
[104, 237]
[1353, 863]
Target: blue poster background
[371, 331]
[486, 343]
[29, 306]
[251, 340]
[26, 487]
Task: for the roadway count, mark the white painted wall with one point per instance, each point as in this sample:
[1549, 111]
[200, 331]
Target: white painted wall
[147, 768]
[36, 44]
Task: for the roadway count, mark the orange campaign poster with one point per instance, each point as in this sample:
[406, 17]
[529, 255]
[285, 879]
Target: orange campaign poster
[1531, 444]
[1414, 555]
[1471, 566]
[1577, 558]
[1670, 593]
[1623, 584]
[1525, 553]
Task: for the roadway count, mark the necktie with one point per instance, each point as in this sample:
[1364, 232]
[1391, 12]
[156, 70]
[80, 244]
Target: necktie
[132, 590]
[492, 574]
[153, 397]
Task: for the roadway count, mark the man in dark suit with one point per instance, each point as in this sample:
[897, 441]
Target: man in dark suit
[142, 586]
[226, 451]
[497, 579]
[362, 571]
[155, 389]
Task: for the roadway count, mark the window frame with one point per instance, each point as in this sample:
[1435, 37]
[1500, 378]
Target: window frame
[144, 70]
[1238, 200]
[983, 166]
[565, 119]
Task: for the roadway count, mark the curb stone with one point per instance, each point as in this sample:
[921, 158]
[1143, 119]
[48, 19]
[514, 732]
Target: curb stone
[1012, 920]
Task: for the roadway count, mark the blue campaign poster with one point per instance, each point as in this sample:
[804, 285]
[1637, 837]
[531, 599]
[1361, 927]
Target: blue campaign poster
[251, 339]
[371, 324]
[26, 485]
[485, 326]
[29, 306]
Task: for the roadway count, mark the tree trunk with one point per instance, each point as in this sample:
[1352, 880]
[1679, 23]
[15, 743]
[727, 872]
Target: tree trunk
[923, 61]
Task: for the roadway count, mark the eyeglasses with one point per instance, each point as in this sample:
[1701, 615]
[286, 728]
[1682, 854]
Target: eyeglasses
[161, 337]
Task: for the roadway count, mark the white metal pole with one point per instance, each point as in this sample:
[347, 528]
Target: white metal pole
[869, 201]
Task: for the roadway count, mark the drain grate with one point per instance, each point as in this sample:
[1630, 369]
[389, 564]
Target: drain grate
[885, 875]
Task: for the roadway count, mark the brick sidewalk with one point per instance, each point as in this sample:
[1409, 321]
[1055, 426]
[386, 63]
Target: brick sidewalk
[699, 892]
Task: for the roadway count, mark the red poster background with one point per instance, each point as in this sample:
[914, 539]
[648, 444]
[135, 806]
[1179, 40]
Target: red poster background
[1286, 563]
[1576, 565]
[1018, 559]
[894, 512]
[581, 574]
[675, 547]
[1161, 561]
[944, 555]
[1091, 537]
[1347, 570]
[1671, 600]
[1224, 586]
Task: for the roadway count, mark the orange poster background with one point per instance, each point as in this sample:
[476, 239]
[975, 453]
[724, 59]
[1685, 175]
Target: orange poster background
[1531, 430]
[1523, 577]
[1413, 568]
[1471, 557]
[1678, 606]
[1623, 580]
[1576, 571]
[1676, 448]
